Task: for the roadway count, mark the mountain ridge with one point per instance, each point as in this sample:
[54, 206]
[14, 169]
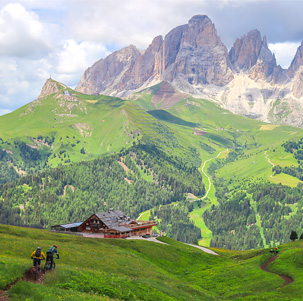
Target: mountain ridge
[192, 58]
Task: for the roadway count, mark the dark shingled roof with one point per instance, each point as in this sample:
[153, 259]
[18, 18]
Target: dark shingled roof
[112, 218]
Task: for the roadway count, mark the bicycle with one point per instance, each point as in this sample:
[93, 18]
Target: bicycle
[36, 270]
[49, 265]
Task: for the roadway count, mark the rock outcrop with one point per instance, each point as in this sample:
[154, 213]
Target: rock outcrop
[50, 87]
[251, 54]
[192, 59]
[201, 57]
[110, 75]
[297, 62]
[193, 52]
[245, 51]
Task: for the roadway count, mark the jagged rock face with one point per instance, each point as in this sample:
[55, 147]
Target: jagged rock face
[49, 87]
[148, 66]
[296, 62]
[297, 87]
[245, 51]
[200, 56]
[127, 70]
[252, 55]
[110, 73]
[192, 59]
[266, 63]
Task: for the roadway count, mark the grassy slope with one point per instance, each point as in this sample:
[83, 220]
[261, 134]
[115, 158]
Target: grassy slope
[99, 125]
[91, 269]
[259, 143]
[110, 120]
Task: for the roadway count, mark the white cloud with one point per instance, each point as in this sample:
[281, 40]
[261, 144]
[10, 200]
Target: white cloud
[21, 32]
[76, 57]
[284, 52]
[20, 81]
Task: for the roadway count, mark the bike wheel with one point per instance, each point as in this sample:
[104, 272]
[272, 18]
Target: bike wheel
[54, 265]
[47, 266]
[36, 272]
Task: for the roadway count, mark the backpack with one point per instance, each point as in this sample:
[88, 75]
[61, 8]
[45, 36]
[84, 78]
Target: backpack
[51, 250]
[38, 253]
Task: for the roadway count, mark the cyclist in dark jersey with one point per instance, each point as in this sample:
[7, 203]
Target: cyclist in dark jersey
[50, 254]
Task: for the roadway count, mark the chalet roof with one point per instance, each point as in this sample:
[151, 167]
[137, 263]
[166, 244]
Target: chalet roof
[112, 218]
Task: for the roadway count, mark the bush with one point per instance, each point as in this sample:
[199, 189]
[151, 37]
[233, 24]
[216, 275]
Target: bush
[293, 235]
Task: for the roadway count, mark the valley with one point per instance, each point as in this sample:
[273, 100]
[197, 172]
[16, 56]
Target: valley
[120, 153]
[163, 158]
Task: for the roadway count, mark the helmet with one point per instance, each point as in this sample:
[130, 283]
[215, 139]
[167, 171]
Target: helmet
[55, 246]
[38, 248]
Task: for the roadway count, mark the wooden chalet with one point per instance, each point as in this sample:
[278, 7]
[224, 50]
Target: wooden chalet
[111, 224]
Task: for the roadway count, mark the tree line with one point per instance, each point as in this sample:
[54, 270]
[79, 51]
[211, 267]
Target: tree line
[73, 192]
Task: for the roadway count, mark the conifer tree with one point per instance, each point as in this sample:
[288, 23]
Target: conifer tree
[293, 236]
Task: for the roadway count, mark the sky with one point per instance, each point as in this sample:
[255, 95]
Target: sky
[61, 38]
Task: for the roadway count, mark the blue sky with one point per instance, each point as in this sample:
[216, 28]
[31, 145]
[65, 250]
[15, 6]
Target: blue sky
[62, 38]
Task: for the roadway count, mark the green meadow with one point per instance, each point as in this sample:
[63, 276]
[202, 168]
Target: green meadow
[118, 269]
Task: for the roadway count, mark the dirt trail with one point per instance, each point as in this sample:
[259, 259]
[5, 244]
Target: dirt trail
[268, 160]
[27, 276]
[204, 249]
[287, 279]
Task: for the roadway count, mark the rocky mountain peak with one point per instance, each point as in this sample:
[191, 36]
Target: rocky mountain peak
[251, 54]
[245, 51]
[49, 87]
[190, 51]
[192, 59]
[108, 72]
[297, 62]
[198, 19]
[200, 30]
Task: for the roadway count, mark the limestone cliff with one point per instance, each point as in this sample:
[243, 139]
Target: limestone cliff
[192, 59]
[193, 52]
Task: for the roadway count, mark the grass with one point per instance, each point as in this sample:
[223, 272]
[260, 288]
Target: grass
[193, 129]
[197, 217]
[103, 269]
[285, 179]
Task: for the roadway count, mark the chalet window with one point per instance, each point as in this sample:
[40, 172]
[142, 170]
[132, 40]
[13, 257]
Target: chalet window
[87, 228]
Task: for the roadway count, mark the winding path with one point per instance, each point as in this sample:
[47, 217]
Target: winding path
[27, 276]
[209, 181]
[266, 156]
[204, 249]
[287, 279]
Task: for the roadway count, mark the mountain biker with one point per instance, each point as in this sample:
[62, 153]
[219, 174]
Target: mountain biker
[50, 254]
[37, 256]
[277, 250]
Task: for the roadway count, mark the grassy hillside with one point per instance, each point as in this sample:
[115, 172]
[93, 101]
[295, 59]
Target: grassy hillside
[254, 148]
[102, 269]
[64, 127]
